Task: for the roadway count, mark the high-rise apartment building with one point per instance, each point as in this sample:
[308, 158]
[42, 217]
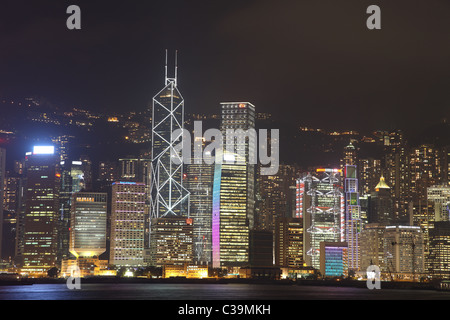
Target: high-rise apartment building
[439, 196]
[369, 172]
[397, 173]
[425, 170]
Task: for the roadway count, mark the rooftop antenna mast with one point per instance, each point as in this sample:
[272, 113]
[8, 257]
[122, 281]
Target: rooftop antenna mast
[176, 66]
[166, 68]
[174, 80]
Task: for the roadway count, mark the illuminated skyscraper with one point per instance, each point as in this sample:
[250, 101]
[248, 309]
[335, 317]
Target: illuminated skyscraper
[230, 225]
[275, 196]
[87, 172]
[352, 216]
[381, 204]
[349, 156]
[199, 182]
[169, 199]
[20, 216]
[168, 195]
[128, 217]
[41, 212]
[138, 170]
[398, 173]
[72, 181]
[369, 172]
[239, 118]
[88, 224]
[320, 202]
[234, 186]
[2, 179]
[88, 231]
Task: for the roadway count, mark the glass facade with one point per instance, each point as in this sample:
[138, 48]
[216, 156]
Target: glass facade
[230, 224]
[199, 182]
[234, 187]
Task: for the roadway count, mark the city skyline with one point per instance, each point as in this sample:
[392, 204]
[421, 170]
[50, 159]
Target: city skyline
[134, 145]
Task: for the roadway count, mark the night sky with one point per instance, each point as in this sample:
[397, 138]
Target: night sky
[313, 63]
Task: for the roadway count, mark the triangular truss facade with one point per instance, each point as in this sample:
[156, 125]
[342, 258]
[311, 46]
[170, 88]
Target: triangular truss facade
[168, 196]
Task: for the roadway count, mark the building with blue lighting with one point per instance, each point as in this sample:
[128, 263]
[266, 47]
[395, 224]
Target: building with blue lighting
[334, 259]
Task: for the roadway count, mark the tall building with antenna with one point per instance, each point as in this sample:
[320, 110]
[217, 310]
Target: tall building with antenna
[169, 199]
[168, 196]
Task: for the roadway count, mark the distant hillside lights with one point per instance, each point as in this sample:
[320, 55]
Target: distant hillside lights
[215, 153]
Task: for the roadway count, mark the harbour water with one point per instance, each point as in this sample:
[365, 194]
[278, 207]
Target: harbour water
[201, 292]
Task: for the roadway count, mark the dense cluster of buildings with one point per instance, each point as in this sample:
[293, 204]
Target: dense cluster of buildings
[226, 218]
